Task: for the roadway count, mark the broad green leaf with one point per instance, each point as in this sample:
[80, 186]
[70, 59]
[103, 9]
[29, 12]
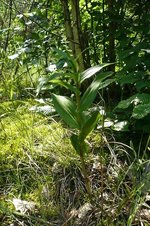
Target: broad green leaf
[126, 103]
[105, 83]
[80, 147]
[90, 94]
[103, 75]
[60, 64]
[75, 142]
[142, 84]
[89, 126]
[92, 71]
[84, 116]
[139, 98]
[84, 148]
[129, 78]
[141, 110]
[45, 82]
[66, 108]
[65, 84]
[53, 75]
[121, 126]
[65, 57]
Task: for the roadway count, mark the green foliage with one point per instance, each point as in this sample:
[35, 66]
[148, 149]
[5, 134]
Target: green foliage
[39, 164]
[89, 125]
[73, 112]
[90, 93]
[92, 71]
[30, 35]
[66, 108]
[141, 111]
[141, 105]
[76, 113]
[137, 107]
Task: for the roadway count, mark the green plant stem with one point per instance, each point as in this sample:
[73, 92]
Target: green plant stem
[86, 177]
[83, 165]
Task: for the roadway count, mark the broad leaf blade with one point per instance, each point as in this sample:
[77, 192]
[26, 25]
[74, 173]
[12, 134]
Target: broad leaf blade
[66, 108]
[90, 94]
[106, 83]
[64, 84]
[65, 57]
[89, 126]
[75, 142]
[126, 103]
[80, 147]
[139, 98]
[140, 111]
[45, 81]
[92, 71]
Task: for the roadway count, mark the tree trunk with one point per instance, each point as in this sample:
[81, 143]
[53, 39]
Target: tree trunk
[77, 33]
[73, 31]
[112, 28]
[68, 27]
[104, 60]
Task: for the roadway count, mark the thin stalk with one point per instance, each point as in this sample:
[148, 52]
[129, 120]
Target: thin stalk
[86, 177]
[77, 95]
[81, 147]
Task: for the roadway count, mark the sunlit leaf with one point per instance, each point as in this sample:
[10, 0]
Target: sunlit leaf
[121, 126]
[30, 14]
[90, 94]
[106, 124]
[146, 50]
[14, 56]
[66, 108]
[139, 98]
[141, 110]
[65, 57]
[92, 71]
[45, 110]
[89, 125]
[105, 83]
[51, 68]
[23, 206]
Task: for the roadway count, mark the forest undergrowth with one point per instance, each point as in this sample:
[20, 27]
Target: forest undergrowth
[74, 113]
[41, 180]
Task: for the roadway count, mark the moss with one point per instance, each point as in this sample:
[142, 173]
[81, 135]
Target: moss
[31, 148]
[38, 163]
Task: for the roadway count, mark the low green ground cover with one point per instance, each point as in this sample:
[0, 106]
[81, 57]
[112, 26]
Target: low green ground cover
[41, 181]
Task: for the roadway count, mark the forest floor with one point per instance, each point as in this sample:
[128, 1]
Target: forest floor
[41, 181]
